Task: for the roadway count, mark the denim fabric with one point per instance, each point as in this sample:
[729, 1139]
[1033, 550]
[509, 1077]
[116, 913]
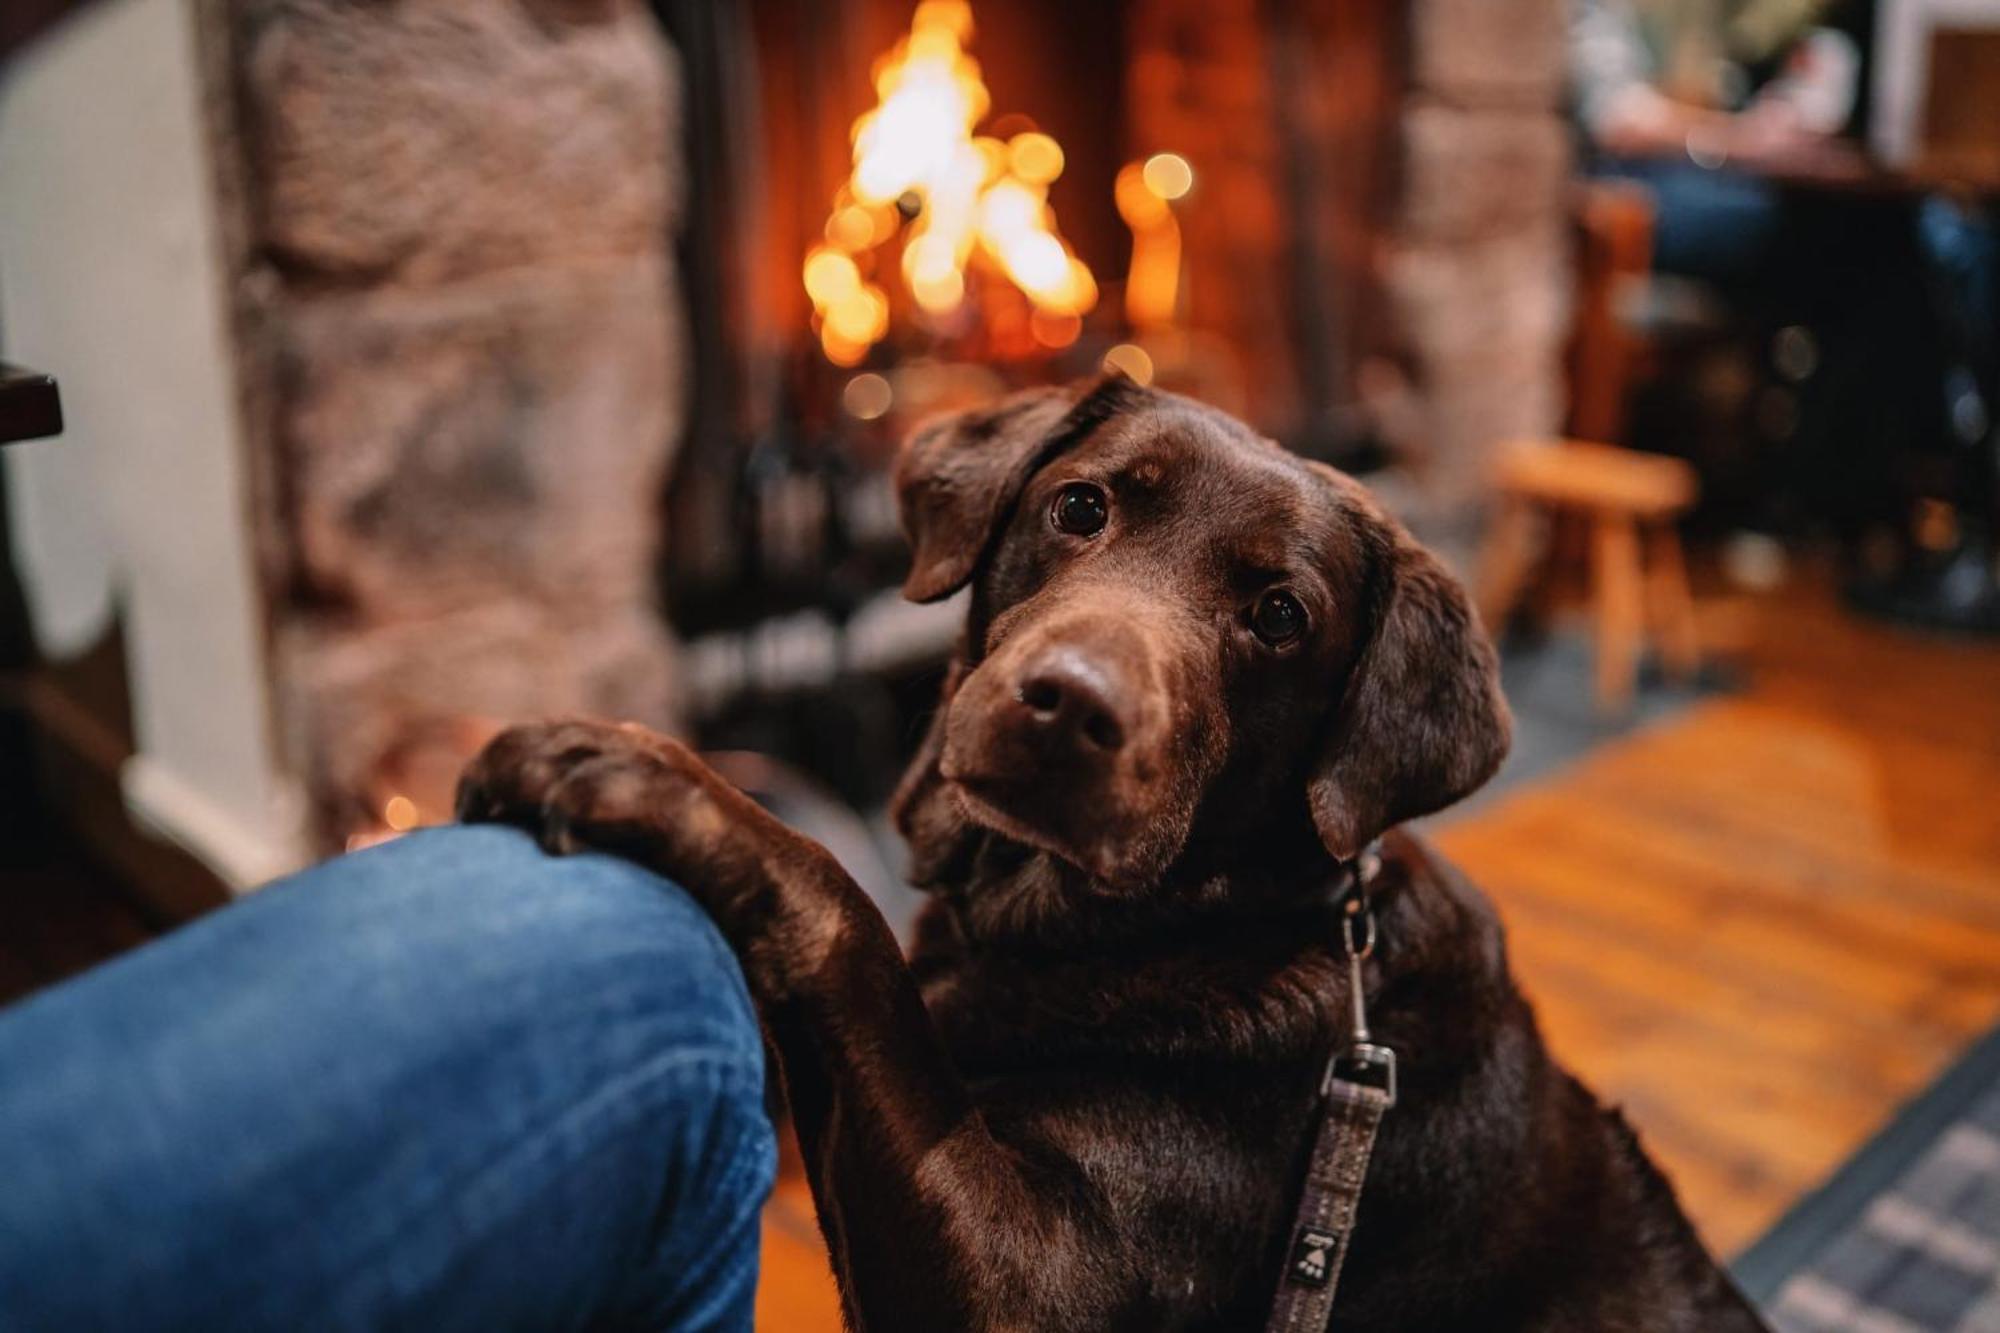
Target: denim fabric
[1964, 248]
[447, 1083]
[1716, 225]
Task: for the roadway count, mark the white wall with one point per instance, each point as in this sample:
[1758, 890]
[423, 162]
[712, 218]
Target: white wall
[110, 279]
[1903, 31]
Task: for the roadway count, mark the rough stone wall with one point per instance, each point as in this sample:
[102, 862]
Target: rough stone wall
[460, 349]
[1478, 264]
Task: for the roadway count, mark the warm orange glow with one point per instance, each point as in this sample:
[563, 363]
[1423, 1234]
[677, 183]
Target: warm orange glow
[939, 293]
[1144, 193]
[974, 202]
[863, 316]
[839, 350]
[867, 396]
[1035, 158]
[1168, 175]
[855, 227]
[400, 813]
[830, 276]
[1054, 331]
[1132, 360]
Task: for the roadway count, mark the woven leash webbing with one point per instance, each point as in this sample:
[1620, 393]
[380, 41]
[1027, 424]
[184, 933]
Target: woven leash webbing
[1325, 1220]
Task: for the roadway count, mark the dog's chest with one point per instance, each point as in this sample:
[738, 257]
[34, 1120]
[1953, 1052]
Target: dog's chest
[1179, 1086]
[1013, 1012]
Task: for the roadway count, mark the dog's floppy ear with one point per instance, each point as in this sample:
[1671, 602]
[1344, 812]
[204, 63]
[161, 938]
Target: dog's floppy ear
[959, 476]
[1421, 722]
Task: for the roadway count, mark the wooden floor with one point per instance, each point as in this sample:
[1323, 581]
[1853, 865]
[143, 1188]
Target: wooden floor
[1760, 926]
[1764, 925]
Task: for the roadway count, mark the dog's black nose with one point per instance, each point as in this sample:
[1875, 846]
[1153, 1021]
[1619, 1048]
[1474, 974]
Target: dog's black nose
[1068, 696]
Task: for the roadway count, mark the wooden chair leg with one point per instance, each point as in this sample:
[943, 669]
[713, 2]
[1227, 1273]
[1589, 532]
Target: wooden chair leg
[1672, 602]
[1564, 565]
[1506, 563]
[1620, 594]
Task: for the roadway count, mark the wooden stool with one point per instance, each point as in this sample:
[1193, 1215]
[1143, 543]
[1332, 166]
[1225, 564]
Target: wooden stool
[1619, 507]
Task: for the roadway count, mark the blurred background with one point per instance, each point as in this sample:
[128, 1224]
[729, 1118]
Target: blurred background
[425, 366]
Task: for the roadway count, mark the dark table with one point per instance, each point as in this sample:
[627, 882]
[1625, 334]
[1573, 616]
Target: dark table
[1957, 588]
[30, 408]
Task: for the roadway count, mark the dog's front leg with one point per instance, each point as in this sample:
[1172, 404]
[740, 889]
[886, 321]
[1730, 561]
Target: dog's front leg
[933, 1223]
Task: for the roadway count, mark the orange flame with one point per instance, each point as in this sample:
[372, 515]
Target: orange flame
[975, 201]
[1145, 193]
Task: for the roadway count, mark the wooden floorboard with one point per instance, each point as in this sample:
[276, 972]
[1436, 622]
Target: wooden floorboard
[1760, 926]
[1764, 925]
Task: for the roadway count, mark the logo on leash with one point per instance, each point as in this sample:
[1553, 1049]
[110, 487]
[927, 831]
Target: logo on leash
[1312, 1256]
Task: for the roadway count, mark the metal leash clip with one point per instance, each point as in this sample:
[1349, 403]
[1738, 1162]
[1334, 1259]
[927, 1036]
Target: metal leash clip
[1359, 1086]
[1363, 1062]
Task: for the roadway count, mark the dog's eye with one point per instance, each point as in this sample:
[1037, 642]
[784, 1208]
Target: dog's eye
[1278, 618]
[1080, 509]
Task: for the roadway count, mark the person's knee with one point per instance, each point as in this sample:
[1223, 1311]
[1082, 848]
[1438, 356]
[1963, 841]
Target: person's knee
[631, 1022]
[452, 1031]
[580, 939]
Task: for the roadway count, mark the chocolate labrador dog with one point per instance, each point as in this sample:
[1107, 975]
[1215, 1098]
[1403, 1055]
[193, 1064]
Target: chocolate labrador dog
[1199, 678]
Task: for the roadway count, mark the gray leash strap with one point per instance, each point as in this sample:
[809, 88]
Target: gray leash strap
[1358, 1088]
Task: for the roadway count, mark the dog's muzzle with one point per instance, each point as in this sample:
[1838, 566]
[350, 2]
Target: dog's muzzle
[1060, 738]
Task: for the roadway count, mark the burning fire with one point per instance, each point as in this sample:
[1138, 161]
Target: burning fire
[961, 202]
[1145, 194]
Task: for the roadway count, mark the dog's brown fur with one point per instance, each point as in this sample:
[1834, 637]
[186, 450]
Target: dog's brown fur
[1085, 1101]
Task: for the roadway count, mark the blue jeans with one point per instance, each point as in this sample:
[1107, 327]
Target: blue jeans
[1964, 250]
[1717, 225]
[448, 1083]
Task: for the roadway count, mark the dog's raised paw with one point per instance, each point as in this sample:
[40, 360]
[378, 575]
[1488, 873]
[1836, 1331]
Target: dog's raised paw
[577, 783]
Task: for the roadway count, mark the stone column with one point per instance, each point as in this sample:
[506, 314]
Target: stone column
[1478, 265]
[459, 344]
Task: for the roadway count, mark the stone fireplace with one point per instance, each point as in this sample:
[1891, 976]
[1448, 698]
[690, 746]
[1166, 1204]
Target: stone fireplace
[524, 370]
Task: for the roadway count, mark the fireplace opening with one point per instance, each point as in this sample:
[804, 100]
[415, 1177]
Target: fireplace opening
[897, 209]
[568, 344]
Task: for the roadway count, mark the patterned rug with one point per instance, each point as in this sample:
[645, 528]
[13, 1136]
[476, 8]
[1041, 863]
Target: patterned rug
[1906, 1237]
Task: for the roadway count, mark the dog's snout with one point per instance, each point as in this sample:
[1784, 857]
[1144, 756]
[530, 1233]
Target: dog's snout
[1073, 698]
[1063, 738]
